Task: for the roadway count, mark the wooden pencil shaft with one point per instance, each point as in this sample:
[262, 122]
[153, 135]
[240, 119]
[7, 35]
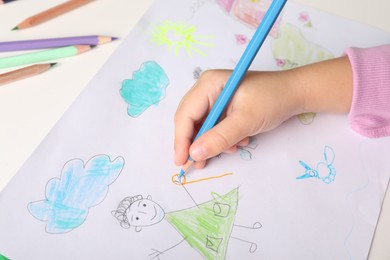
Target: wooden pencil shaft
[41, 56]
[52, 13]
[23, 73]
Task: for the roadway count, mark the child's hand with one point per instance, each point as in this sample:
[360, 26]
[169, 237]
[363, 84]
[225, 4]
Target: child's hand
[262, 102]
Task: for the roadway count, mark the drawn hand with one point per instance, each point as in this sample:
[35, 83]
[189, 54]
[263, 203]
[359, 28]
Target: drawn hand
[155, 254]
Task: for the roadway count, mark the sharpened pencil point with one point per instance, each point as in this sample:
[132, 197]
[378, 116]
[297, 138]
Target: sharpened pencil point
[114, 38]
[186, 167]
[15, 28]
[92, 46]
[53, 64]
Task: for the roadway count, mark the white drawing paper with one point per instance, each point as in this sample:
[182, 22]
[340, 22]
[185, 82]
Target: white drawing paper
[102, 185]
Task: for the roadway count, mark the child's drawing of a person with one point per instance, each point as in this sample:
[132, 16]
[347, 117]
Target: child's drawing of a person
[206, 227]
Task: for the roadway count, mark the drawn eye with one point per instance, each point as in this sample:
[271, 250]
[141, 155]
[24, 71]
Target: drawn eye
[144, 205]
[136, 218]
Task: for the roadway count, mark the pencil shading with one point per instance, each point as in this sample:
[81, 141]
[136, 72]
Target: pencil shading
[23, 73]
[51, 13]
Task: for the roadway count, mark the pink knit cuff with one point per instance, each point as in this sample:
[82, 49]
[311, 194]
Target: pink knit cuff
[370, 111]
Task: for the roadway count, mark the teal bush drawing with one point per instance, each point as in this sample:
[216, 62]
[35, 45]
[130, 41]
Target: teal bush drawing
[146, 88]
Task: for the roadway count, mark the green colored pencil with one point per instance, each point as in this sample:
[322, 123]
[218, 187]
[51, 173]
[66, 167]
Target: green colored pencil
[3, 257]
[41, 56]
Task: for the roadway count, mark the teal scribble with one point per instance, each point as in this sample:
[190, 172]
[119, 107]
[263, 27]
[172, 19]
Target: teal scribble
[324, 171]
[80, 187]
[246, 151]
[146, 88]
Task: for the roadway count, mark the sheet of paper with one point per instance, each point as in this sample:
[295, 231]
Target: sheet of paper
[102, 184]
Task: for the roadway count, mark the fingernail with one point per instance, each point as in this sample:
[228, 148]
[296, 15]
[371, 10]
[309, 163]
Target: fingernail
[198, 153]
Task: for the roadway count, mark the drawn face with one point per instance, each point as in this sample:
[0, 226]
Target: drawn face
[145, 212]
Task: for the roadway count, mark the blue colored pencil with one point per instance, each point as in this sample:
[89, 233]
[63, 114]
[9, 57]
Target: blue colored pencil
[239, 71]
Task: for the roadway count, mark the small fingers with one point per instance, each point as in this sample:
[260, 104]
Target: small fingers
[226, 134]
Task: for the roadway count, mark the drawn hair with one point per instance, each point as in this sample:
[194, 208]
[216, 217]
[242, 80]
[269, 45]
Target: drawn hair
[123, 207]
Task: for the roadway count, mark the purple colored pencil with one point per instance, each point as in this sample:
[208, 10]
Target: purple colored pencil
[54, 43]
[5, 1]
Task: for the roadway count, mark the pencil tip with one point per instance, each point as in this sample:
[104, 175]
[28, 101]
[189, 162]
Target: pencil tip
[114, 38]
[53, 64]
[92, 46]
[181, 173]
[15, 28]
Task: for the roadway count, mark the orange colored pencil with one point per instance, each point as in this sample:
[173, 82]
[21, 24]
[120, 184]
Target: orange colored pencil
[51, 13]
[24, 73]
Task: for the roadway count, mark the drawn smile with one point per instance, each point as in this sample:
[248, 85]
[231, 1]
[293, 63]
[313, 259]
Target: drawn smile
[155, 213]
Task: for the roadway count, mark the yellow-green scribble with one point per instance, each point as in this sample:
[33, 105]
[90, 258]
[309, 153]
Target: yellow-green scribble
[291, 49]
[177, 36]
[207, 227]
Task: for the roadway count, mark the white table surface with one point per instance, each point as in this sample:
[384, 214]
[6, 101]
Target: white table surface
[30, 108]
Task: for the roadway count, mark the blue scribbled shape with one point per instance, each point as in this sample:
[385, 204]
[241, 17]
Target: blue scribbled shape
[324, 171]
[146, 88]
[80, 187]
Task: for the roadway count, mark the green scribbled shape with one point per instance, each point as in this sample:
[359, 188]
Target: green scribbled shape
[307, 118]
[3, 257]
[292, 47]
[146, 88]
[208, 226]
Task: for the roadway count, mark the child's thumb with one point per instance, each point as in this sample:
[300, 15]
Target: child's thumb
[220, 138]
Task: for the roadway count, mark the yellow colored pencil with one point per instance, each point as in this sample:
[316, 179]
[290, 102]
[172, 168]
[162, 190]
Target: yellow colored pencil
[23, 73]
[51, 13]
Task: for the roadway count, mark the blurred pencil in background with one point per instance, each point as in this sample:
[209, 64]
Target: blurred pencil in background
[6, 1]
[51, 13]
[41, 56]
[54, 42]
[23, 73]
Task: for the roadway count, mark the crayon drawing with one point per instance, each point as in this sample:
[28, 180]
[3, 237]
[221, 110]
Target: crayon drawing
[241, 39]
[206, 227]
[196, 73]
[291, 49]
[325, 171]
[304, 18]
[246, 151]
[249, 12]
[146, 88]
[183, 180]
[80, 187]
[179, 35]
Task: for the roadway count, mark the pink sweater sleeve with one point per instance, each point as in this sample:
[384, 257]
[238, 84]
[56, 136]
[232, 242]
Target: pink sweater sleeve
[370, 111]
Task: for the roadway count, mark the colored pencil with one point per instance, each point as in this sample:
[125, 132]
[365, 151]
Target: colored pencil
[25, 72]
[239, 72]
[51, 13]
[6, 1]
[41, 56]
[54, 43]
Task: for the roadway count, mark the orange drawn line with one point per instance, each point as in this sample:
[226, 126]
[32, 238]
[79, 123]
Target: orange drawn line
[185, 182]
